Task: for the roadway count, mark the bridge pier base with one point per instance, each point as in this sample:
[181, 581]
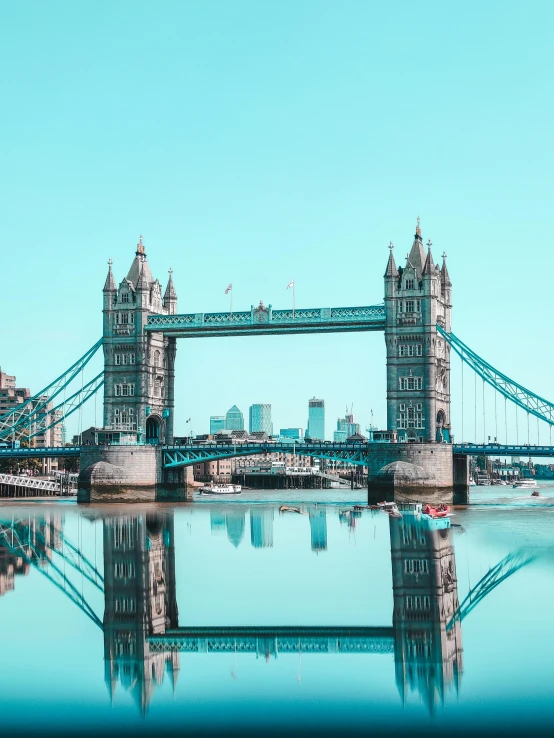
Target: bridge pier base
[129, 474]
[410, 472]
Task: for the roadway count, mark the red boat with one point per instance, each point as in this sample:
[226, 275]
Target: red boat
[435, 512]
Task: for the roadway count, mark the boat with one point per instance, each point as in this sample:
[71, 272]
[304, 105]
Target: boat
[525, 484]
[221, 489]
[442, 511]
[390, 507]
[535, 493]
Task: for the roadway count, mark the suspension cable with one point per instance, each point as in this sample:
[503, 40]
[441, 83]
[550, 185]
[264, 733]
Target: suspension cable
[517, 430]
[475, 408]
[506, 419]
[484, 415]
[462, 360]
[495, 420]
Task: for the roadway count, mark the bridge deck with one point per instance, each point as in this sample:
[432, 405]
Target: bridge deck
[281, 639]
[264, 321]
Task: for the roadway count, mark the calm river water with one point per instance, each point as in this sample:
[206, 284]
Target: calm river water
[242, 618]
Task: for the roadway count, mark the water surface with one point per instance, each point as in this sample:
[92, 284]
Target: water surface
[237, 617]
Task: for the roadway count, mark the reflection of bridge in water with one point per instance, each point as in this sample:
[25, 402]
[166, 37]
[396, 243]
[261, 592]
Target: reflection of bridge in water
[143, 640]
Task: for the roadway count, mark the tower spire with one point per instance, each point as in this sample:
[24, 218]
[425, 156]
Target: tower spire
[391, 270]
[109, 285]
[170, 293]
[444, 272]
[140, 248]
[429, 263]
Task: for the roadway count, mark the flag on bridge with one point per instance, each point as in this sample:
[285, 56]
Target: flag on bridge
[229, 288]
[290, 284]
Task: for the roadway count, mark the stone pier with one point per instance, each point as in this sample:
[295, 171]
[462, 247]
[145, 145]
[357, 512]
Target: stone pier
[129, 474]
[411, 472]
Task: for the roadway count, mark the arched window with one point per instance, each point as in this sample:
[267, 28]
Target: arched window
[156, 358]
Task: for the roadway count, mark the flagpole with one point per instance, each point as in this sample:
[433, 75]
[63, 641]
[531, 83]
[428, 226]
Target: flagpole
[231, 303]
[293, 300]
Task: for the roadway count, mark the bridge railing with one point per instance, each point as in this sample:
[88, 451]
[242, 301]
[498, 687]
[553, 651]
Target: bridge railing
[260, 317]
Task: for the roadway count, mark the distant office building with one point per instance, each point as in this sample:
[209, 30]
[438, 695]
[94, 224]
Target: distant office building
[260, 419]
[45, 427]
[261, 528]
[318, 530]
[291, 433]
[340, 436]
[348, 425]
[234, 419]
[7, 381]
[316, 419]
[234, 522]
[217, 423]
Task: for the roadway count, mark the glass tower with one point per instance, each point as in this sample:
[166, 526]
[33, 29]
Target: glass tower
[260, 419]
[217, 423]
[234, 419]
[316, 419]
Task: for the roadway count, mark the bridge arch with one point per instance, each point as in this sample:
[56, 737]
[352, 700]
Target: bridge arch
[153, 429]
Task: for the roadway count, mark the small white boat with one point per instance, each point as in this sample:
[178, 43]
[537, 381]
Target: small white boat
[221, 489]
[525, 484]
[390, 507]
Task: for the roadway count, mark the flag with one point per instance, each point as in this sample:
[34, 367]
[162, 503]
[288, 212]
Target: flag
[290, 284]
[229, 288]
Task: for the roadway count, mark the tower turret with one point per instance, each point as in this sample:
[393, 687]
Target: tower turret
[170, 296]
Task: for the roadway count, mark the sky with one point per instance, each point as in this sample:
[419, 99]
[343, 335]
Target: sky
[256, 143]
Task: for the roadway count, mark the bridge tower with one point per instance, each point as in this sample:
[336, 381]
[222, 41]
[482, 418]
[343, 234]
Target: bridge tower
[139, 367]
[140, 601]
[428, 657]
[417, 297]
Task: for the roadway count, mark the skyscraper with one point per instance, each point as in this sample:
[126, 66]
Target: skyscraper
[217, 423]
[260, 419]
[346, 427]
[234, 419]
[316, 419]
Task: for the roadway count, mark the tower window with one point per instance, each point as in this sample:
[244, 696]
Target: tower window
[409, 284]
[125, 297]
[117, 359]
[409, 306]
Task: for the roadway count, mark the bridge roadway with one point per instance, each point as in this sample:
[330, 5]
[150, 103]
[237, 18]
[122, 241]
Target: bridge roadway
[355, 639]
[263, 320]
[352, 453]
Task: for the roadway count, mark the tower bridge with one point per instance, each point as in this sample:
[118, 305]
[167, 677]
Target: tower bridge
[141, 326]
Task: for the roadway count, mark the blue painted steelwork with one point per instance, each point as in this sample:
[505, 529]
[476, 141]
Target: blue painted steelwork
[49, 452]
[16, 538]
[73, 556]
[352, 453]
[17, 420]
[496, 449]
[524, 398]
[264, 320]
[66, 408]
[509, 565]
[276, 639]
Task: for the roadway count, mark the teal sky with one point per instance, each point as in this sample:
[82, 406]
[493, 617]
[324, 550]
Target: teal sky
[257, 142]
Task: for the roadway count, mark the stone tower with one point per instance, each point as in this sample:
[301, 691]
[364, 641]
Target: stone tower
[140, 601]
[417, 297]
[139, 367]
[427, 649]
